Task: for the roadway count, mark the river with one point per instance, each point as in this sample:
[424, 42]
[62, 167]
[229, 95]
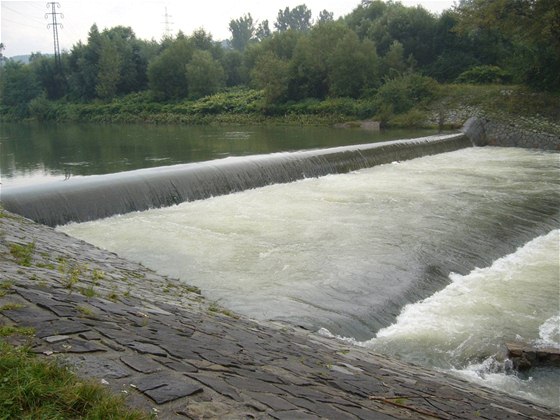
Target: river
[37, 153]
[439, 260]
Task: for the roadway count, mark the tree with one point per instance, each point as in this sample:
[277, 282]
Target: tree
[242, 32]
[49, 75]
[533, 26]
[84, 66]
[166, 73]
[364, 18]
[271, 74]
[18, 86]
[235, 69]
[109, 75]
[325, 16]
[394, 60]
[386, 22]
[263, 31]
[453, 52]
[132, 65]
[354, 67]
[204, 75]
[202, 40]
[532, 21]
[312, 60]
[296, 19]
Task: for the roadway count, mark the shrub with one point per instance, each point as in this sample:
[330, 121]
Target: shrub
[480, 75]
[42, 109]
[403, 92]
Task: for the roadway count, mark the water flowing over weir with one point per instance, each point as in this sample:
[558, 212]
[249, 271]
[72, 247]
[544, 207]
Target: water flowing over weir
[346, 251]
[350, 253]
[96, 197]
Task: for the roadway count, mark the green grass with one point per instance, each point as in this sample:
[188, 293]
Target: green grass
[7, 330]
[5, 287]
[23, 253]
[217, 309]
[192, 289]
[113, 296]
[32, 388]
[84, 311]
[88, 291]
[11, 306]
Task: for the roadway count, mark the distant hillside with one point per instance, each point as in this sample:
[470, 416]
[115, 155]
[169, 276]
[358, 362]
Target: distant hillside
[25, 58]
[21, 58]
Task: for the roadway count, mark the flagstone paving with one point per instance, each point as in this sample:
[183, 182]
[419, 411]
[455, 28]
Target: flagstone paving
[175, 354]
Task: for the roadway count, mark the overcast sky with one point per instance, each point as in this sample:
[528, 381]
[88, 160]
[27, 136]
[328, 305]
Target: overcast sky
[24, 27]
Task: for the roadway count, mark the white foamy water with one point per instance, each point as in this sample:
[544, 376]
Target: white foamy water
[348, 252]
[464, 327]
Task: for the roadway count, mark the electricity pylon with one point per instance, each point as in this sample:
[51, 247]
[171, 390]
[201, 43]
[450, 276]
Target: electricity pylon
[53, 13]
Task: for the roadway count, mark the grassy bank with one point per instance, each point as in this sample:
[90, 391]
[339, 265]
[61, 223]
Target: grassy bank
[33, 388]
[413, 104]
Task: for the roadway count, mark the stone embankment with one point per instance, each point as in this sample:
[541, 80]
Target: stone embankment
[486, 132]
[177, 355]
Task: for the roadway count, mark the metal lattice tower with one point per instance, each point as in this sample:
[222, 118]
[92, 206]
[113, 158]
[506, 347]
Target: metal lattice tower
[167, 24]
[53, 13]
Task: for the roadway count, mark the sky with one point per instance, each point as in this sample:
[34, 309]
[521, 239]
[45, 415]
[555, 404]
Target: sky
[24, 28]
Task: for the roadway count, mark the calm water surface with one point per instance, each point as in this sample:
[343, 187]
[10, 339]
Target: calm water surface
[35, 153]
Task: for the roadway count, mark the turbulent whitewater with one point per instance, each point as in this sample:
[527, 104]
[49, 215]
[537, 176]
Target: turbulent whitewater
[355, 253]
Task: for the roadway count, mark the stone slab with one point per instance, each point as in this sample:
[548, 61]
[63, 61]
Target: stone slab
[59, 327]
[141, 364]
[102, 368]
[173, 391]
[147, 348]
[78, 346]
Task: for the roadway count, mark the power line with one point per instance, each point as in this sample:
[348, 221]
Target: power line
[19, 23]
[53, 14]
[21, 14]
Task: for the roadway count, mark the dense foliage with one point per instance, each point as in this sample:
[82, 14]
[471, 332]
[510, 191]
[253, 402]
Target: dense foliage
[383, 53]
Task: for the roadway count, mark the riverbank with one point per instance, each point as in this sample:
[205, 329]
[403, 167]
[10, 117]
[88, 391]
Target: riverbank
[448, 107]
[173, 353]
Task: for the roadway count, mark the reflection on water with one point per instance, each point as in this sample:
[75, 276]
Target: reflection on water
[34, 153]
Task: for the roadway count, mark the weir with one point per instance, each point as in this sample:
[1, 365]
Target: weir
[100, 196]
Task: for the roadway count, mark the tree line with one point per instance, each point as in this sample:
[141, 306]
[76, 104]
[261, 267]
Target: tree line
[379, 45]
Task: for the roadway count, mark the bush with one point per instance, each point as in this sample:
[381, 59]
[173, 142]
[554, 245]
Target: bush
[42, 109]
[400, 94]
[412, 118]
[481, 75]
[347, 107]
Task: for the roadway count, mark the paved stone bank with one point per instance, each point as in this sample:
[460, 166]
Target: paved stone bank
[175, 354]
[485, 132]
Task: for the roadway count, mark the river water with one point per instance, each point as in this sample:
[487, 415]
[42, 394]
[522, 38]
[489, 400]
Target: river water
[438, 260]
[38, 153]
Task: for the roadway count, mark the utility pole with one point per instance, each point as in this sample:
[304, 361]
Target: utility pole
[167, 24]
[53, 13]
